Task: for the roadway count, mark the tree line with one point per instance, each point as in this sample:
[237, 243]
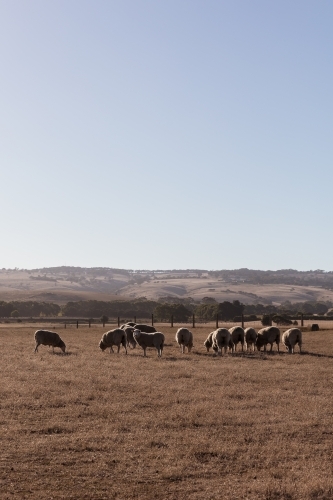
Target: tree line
[143, 308]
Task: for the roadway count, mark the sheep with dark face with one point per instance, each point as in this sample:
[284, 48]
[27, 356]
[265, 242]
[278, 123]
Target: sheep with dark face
[45, 337]
[236, 335]
[268, 335]
[220, 339]
[250, 337]
[145, 340]
[292, 337]
[184, 338]
[115, 337]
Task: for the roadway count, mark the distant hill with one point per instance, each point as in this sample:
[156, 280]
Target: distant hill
[65, 283]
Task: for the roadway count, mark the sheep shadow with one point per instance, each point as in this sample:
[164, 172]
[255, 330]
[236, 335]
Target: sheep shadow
[314, 354]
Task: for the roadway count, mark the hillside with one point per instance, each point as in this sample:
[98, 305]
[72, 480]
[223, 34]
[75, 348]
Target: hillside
[62, 284]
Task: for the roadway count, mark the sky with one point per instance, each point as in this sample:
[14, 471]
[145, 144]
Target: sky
[145, 134]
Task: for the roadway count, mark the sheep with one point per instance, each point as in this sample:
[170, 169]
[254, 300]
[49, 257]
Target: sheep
[145, 328]
[209, 342]
[114, 337]
[220, 339]
[129, 336]
[145, 340]
[236, 335]
[292, 337]
[250, 337]
[125, 325]
[45, 337]
[184, 338]
[268, 335]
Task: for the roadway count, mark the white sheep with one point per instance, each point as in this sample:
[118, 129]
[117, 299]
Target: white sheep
[250, 337]
[145, 340]
[184, 338]
[236, 335]
[220, 339]
[45, 337]
[292, 337]
[268, 335]
[114, 337]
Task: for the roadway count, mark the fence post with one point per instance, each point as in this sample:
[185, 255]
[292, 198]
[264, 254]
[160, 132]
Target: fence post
[171, 320]
[118, 319]
[77, 324]
[89, 323]
[193, 321]
[242, 320]
[65, 325]
[152, 320]
[217, 321]
[302, 320]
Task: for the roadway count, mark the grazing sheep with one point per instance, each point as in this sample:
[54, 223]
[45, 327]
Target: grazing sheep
[236, 335]
[209, 341]
[129, 336]
[145, 340]
[292, 337]
[184, 337]
[268, 335]
[113, 337]
[44, 337]
[250, 337]
[145, 328]
[221, 339]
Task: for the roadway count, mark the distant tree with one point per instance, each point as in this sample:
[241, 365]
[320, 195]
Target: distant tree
[15, 314]
[266, 320]
[163, 312]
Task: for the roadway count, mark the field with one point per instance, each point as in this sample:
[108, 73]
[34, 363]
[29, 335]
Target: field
[93, 425]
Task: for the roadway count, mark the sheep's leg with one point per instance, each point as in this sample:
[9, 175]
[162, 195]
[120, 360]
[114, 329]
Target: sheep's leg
[144, 352]
[118, 349]
[36, 348]
[243, 347]
[111, 349]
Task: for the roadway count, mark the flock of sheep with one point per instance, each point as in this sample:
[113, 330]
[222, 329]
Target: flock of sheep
[222, 339]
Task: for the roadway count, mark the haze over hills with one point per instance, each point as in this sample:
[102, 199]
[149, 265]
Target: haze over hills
[65, 283]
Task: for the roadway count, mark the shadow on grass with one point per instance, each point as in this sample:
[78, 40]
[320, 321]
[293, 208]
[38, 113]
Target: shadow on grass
[315, 354]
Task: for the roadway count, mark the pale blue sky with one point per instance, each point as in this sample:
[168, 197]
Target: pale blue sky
[166, 134]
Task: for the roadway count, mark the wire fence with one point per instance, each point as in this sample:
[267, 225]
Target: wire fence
[195, 322]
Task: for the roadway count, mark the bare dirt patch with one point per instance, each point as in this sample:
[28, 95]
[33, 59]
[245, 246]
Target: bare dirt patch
[90, 425]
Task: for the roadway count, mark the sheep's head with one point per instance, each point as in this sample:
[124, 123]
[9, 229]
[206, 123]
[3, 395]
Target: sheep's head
[102, 345]
[208, 343]
[62, 345]
[259, 342]
[136, 334]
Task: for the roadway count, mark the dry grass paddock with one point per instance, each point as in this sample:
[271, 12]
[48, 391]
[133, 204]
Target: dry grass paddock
[94, 425]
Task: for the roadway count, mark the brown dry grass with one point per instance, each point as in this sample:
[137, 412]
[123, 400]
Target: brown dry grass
[90, 425]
